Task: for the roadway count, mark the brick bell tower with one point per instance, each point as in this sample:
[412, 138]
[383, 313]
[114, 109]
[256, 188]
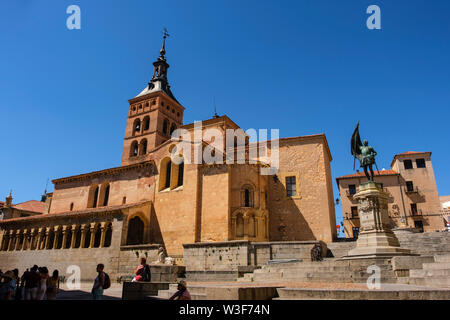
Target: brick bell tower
[153, 114]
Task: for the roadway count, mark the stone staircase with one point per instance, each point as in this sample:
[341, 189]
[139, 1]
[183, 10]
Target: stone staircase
[427, 243]
[328, 270]
[433, 274]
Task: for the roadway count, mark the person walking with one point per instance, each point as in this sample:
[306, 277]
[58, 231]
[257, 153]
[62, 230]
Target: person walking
[53, 285]
[99, 282]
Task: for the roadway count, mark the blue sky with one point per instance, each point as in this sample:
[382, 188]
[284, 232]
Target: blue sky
[304, 67]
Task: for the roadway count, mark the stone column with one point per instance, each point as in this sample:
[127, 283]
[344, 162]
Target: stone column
[376, 239]
[233, 227]
[102, 239]
[32, 238]
[74, 238]
[11, 240]
[47, 238]
[25, 240]
[246, 226]
[57, 233]
[18, 245]
[83, 236]
[5, 241]
[91, 244]
[64, 239]
[39, 239]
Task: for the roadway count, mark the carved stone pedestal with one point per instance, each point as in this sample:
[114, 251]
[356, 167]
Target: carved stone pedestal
[376, 239]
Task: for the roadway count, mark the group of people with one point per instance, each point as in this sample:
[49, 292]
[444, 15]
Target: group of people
[34, 284]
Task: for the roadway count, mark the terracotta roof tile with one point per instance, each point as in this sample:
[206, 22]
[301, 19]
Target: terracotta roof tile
[75, 213]
[376, 173]
[411, 152]
[31, 205]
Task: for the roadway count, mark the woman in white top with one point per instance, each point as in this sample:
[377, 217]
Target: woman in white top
[42, 283]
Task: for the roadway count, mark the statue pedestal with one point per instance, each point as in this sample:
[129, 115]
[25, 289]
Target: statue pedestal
[376, 239]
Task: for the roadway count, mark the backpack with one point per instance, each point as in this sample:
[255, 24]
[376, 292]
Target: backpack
[146, 273]
[107, 282]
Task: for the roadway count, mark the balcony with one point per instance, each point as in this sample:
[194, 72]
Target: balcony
[411, 190]
[415, 213]
[349, 193]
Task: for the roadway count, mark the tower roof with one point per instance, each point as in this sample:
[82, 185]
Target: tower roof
[159, 80]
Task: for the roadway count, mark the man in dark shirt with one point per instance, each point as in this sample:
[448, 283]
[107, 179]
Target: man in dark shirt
[31, 279]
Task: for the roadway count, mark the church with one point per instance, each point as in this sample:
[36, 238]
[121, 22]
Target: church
[114, 215]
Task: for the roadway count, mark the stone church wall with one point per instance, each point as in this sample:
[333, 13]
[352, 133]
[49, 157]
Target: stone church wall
[118, 261]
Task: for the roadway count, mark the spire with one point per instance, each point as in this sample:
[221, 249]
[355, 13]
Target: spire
[159, 78]
[215, 111]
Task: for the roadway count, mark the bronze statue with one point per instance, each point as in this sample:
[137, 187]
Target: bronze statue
[365, 153]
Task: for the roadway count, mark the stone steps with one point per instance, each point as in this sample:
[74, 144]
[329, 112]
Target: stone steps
[442, 258]
[361, 294]
[435, 273]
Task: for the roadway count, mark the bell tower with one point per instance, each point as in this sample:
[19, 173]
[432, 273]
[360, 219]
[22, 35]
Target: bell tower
[153, 114]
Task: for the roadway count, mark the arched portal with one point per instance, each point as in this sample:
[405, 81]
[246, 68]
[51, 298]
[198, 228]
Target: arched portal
[135, 231]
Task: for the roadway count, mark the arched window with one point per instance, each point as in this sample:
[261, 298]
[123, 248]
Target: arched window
[146, 123]
[173, 127]
[165, 126]
[143, 147]
[68, 237]
[136, 126]
[94, 204]
[239, 225]
[134, 149]
[247, 198]
[71, 206]
[98, 236]
[168, 173]
[87, 239]
[247, 195]
[180, 174]
[108, 235]
[106, 196]
[135, 231]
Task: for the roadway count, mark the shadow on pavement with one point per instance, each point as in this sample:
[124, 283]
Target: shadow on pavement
[80, 295]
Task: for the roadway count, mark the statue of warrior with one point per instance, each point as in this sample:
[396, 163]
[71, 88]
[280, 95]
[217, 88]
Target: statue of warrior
[365, 153]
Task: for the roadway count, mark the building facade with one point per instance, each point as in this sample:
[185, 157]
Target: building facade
[413, 195]
[114, 215]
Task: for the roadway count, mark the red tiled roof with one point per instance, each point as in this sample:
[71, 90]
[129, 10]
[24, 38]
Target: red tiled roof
[31, 205]
[74, 213]
[376, 173]
[411, 152]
